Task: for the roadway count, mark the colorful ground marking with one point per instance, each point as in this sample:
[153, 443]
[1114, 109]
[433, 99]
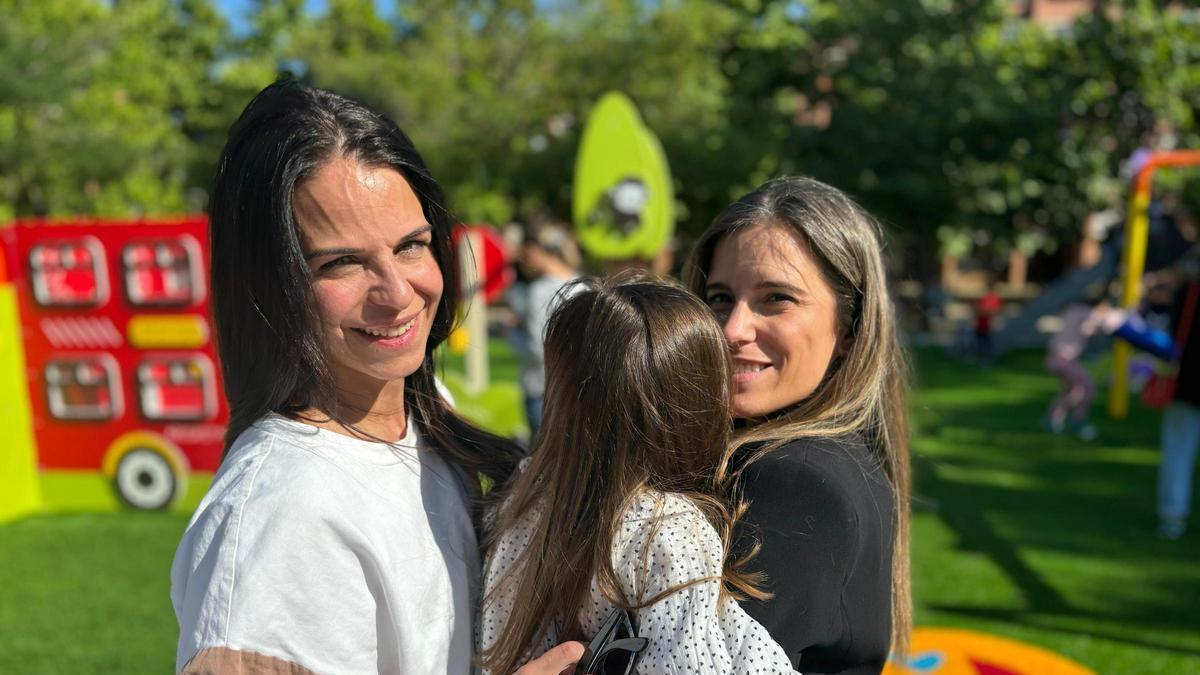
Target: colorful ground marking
[954, 651]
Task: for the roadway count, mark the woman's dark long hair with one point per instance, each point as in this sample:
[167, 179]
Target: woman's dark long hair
[272, 356]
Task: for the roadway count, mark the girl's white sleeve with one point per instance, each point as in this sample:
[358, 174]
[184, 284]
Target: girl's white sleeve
[691, 630]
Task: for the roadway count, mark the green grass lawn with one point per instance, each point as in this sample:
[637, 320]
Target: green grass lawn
[1044, 539]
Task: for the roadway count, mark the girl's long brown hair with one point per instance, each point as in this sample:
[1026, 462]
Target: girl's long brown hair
[863, 391]
[637, 397]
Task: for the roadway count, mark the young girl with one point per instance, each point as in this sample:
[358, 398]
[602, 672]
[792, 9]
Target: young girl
[619, 506]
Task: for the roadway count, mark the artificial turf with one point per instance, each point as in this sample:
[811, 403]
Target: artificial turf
[1046, 539]
[1043, 538]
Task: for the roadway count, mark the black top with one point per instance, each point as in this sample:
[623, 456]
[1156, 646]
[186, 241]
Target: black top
[822, 509]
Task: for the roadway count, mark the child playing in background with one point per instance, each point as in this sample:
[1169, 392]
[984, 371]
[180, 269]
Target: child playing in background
[986, 310]
[1080, 321]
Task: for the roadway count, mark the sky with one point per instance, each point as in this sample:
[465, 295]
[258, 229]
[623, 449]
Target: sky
[236, 10]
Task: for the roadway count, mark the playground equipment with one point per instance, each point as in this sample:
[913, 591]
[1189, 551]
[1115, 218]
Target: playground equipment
[1133, 263]
[485, 271]
[1021, 330]
[623, 200]
[107, 365]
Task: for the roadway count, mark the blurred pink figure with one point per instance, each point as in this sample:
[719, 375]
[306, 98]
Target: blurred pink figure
[1079, 323]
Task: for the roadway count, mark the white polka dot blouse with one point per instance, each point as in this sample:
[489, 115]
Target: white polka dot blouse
[692, 630]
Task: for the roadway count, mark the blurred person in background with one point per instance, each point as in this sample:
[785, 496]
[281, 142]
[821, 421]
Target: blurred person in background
[1072, 405]
[987, 308]
[549, 260]
[1180, 433]
[794, 272]
[338, 534]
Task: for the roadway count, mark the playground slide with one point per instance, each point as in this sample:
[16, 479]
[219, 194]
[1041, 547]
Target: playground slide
[1021, 330]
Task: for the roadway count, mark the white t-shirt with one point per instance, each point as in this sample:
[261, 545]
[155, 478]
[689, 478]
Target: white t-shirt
[337, 554]
[689, 631]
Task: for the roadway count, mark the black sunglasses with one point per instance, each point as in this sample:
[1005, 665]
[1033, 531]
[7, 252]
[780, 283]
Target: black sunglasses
[616, 648]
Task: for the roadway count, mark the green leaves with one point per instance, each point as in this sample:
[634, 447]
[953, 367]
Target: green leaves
[93, 103]
[934, 113]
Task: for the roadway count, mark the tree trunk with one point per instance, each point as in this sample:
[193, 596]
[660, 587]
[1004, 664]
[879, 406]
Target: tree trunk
[949, 272]
[1018, 270]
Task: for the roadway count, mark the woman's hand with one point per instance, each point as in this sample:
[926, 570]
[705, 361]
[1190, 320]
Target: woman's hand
[554, 662]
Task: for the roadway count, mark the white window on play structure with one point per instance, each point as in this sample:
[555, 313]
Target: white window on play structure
[177, 388]
[163, 272]
[83, 388]
[69, 273]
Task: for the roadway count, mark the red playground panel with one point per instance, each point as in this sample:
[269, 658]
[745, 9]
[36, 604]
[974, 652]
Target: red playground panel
[119, 358]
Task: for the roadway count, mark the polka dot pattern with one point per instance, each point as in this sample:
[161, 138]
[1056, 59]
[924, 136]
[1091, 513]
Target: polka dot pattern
[664, 541]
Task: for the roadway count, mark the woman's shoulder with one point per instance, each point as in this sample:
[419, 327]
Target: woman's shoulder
[848, 445]
[843, 460]
[282, 471]
[274, 454]
[834, 476]
[272, 435]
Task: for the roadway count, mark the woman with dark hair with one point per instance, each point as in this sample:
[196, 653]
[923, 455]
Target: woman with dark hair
[794, 271]
[620, 503]
[338, 534]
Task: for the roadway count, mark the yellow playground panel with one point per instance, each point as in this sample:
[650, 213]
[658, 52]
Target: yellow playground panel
[20, 493]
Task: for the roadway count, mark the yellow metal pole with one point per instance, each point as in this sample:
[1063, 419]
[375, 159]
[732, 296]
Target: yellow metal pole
[1133, 263]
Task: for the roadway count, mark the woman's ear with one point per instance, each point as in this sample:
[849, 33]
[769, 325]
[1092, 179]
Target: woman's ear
[845, 339]
[844, 342]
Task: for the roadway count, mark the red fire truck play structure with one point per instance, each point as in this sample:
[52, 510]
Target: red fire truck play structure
[120, 369]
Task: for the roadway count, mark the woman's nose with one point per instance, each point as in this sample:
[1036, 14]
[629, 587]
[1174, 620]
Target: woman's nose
[392, 287]
[739, 325]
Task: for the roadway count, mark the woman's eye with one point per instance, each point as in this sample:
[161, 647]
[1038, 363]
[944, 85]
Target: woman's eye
[337, 262]
[718, 299]
[413, 249]
[777, 298]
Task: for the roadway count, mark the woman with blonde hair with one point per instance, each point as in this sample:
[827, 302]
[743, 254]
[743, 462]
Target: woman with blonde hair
[794, 272]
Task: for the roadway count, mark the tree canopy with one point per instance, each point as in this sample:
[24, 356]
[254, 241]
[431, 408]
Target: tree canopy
[948, 118]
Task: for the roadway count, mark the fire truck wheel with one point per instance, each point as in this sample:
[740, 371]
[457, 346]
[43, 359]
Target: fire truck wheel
[144, 480]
